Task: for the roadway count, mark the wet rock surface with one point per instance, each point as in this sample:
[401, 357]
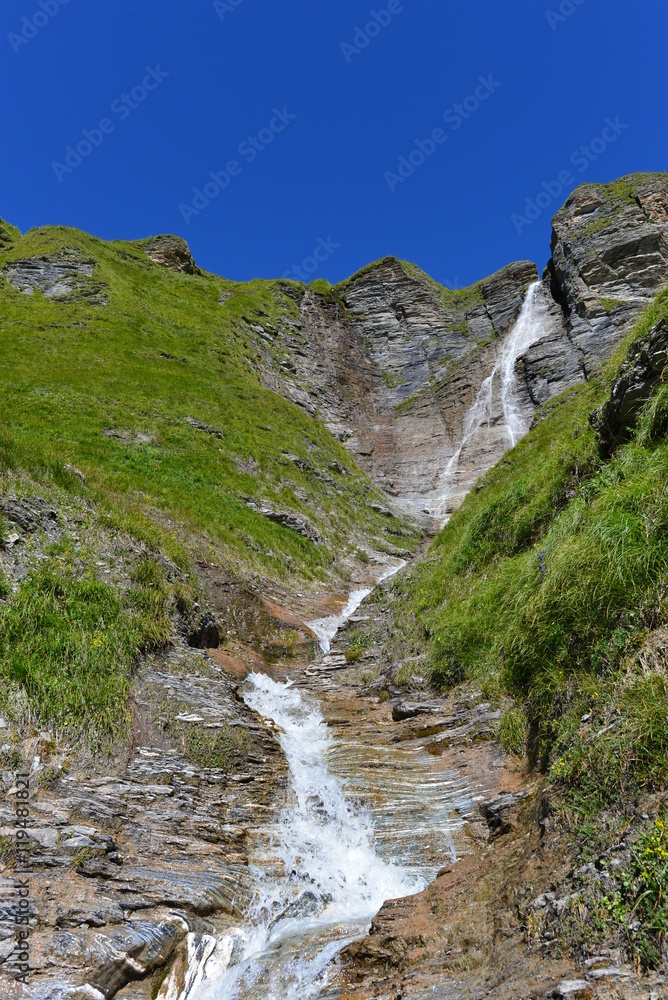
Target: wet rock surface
[128, 860]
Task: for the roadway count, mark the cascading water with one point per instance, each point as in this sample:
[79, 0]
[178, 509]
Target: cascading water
[528, 329]
[319, 877]
[326, 628]
[499, 387]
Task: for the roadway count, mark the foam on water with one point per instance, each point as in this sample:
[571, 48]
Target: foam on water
[319, 880]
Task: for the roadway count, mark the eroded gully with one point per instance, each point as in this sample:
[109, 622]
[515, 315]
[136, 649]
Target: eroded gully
[366, 817]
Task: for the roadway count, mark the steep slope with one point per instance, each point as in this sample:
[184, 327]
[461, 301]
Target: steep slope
[144, 379]
[191, 462]
[548, 585]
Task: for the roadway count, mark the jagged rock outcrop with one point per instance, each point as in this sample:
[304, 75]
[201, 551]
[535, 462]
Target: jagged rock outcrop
[609, 258]
[65, 277]
[644, 366]
[171, 252]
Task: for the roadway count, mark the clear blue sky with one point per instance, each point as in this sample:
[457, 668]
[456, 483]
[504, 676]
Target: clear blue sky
[350, 106]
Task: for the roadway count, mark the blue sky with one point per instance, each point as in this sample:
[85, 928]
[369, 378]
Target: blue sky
[411, 127]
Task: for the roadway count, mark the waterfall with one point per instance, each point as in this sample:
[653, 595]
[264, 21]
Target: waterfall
[326, 628]
[321, 869]
[319, 879]
[528, 329]
[500, 386]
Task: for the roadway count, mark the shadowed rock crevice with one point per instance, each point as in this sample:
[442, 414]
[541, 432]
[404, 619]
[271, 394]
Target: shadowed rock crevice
[643, 369]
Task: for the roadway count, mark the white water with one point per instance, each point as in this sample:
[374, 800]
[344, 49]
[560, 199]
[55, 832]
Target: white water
[501, 385]
[326, 628]
[319, 880]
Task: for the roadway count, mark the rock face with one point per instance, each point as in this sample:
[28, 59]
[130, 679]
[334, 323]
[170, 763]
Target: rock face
[171, 252]
[644, 367]
[63, 278]
[392, 362]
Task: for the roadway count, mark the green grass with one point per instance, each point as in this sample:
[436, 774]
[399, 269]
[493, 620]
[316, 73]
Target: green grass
[69, 643]
[358, 642]
[164, 349]
[220, 748]
[563, 642]
[100, 405]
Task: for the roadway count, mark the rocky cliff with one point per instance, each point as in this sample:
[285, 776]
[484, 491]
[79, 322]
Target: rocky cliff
[391, 361]
[609, 258]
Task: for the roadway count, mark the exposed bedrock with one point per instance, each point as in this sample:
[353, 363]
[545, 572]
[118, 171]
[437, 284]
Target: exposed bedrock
[392, 362]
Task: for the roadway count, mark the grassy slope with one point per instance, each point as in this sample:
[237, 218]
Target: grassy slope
[162, 349]
[547, 582]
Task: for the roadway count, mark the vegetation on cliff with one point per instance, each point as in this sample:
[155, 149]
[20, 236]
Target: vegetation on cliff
[549, 584]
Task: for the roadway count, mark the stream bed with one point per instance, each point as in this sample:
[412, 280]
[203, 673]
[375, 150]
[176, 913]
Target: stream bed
[362, 823]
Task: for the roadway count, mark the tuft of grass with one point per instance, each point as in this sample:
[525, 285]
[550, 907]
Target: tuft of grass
[514, 732]
[71, 642]
[218, 748]
[359, 641]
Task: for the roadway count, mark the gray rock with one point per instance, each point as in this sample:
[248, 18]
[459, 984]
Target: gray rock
[609, 259]
[294, 522]
[213, 431]
[577, 989]
[171, 252]
[77, 842]
[308, 903]
[60, 278]
[44, 837]
[643, 368]
[404, 710]
[498, 811]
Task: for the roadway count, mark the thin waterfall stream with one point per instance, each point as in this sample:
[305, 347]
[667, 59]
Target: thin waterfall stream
[500, 387]
[364, 820]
